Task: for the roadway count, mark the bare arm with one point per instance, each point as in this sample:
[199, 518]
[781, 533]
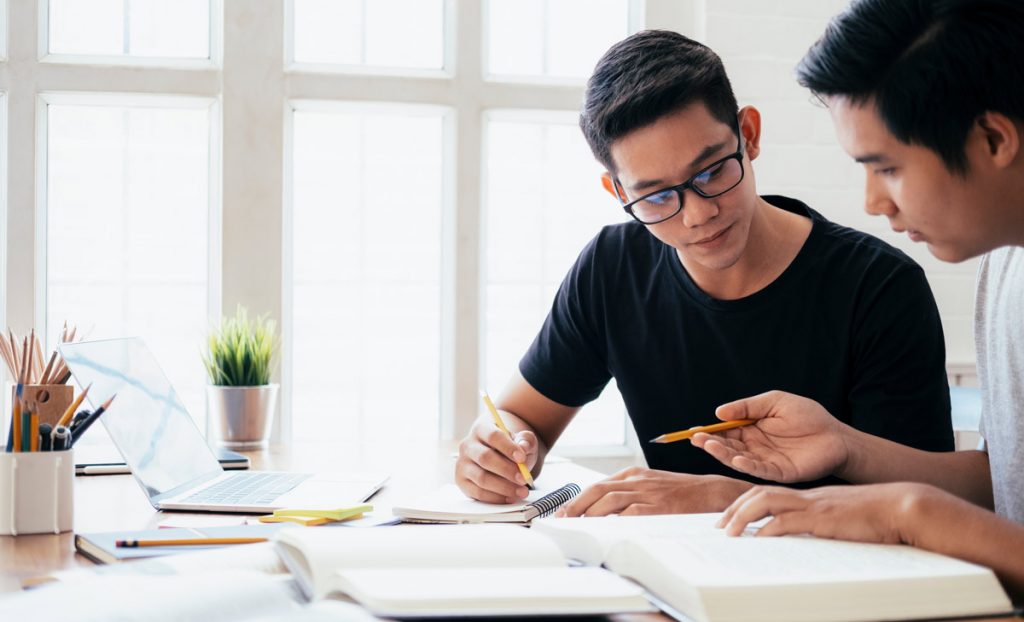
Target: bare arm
[486, 468]
[872, 459]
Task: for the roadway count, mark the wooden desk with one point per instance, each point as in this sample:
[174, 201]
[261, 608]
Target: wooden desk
[115, 502]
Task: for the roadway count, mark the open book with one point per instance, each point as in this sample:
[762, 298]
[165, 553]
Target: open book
[693, 568]
[451, 570]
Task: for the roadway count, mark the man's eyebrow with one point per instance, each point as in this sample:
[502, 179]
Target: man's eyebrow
[870, 158]
[705, 153]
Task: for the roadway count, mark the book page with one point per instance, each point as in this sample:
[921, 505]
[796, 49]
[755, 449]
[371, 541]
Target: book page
[492, 591]
[805, 579]
[314, 555]
[587, 539]
[790, 559]
[448, 502]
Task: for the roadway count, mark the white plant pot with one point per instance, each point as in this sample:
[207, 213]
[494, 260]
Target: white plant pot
[241, 417]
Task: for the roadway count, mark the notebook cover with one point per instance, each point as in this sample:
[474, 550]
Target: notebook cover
[100, 547]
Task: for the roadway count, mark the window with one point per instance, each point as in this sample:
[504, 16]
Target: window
[371, 33]
[530, 39]
[340, 165]
[544, 203]
[127, 213]
[366, 248]
[129, 28]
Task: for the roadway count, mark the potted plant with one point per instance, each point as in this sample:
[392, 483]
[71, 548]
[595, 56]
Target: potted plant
[240, 399]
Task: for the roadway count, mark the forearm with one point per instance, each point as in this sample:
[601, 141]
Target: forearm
[871, 459]
[951, 526]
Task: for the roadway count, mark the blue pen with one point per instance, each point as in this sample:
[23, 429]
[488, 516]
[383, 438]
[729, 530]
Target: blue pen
[45, 437]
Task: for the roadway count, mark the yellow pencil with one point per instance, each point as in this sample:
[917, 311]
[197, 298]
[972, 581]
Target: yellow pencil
[70, 412]
[501, 426]
[187, 542]
[709, 429]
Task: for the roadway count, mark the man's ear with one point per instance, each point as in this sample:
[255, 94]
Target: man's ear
[750, 128]
[1001, 137]
[612, 187]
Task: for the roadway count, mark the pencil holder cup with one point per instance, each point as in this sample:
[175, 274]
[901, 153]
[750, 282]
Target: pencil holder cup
[49, 400]
[36, 492]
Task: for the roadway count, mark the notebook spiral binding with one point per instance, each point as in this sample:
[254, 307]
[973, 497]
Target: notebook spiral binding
[550, 502]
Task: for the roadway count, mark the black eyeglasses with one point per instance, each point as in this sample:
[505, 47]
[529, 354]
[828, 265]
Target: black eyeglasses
[713, 180]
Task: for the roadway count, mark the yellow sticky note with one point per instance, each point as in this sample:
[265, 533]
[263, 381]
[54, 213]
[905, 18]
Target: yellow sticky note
[334, 515]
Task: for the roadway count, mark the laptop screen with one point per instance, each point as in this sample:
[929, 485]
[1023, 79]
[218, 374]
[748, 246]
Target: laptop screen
[147, 422]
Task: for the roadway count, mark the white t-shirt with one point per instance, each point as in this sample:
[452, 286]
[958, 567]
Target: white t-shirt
[999, 338]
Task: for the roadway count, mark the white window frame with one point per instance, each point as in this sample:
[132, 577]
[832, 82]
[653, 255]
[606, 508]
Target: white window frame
[255, 86]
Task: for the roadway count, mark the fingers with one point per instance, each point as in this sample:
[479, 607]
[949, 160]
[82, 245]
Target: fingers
[487, 469]
[603, 498]
[719, 450]
[484, 485]
[762, 501]
[756, 407]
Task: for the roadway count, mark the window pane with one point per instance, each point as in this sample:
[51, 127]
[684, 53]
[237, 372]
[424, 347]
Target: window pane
[366, 275]
[552, 38]
[377, 33]
[544, 203]
[127, 222]
[145, 28]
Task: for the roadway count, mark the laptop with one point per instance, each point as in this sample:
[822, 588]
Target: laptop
[167, 454]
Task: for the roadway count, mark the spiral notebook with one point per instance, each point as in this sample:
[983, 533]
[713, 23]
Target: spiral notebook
[450, 505]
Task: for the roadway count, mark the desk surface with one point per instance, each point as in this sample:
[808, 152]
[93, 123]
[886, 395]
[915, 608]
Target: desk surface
[115, 502]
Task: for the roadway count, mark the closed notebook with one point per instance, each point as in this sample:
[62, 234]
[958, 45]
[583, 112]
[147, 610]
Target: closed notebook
[101, 547]
[693, 568]
[451, 570]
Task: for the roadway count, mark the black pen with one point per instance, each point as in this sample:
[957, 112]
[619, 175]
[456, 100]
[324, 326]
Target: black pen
[77, 433]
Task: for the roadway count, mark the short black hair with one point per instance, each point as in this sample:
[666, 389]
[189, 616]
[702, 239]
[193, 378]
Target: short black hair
[931, 67]
[645, 77]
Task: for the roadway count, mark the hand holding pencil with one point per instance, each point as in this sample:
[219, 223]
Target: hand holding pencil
[494, 465]
[789, 438]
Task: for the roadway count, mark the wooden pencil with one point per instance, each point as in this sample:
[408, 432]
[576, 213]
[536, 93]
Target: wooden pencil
[187, 542]
[23, 372]
[14, 353]
[70, 412]
[49, 367]
[37, 358]
[709, 429]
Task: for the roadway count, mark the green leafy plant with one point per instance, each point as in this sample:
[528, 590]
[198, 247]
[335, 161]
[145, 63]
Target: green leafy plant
[241, 352]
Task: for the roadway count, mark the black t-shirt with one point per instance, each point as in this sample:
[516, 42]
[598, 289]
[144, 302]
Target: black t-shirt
[851, 323]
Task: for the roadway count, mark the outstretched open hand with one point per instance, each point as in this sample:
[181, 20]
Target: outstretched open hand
[795, 439]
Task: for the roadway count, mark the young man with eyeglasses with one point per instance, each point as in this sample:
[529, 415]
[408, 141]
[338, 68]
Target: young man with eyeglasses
[927, 96]
[710, 293]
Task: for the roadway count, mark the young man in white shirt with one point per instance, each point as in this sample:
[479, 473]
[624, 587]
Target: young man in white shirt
[928, 96]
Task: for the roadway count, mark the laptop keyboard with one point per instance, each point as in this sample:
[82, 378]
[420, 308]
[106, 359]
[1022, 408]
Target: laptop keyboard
[254, 488]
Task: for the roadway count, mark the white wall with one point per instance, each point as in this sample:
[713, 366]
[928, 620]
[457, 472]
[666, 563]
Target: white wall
[760, 42]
